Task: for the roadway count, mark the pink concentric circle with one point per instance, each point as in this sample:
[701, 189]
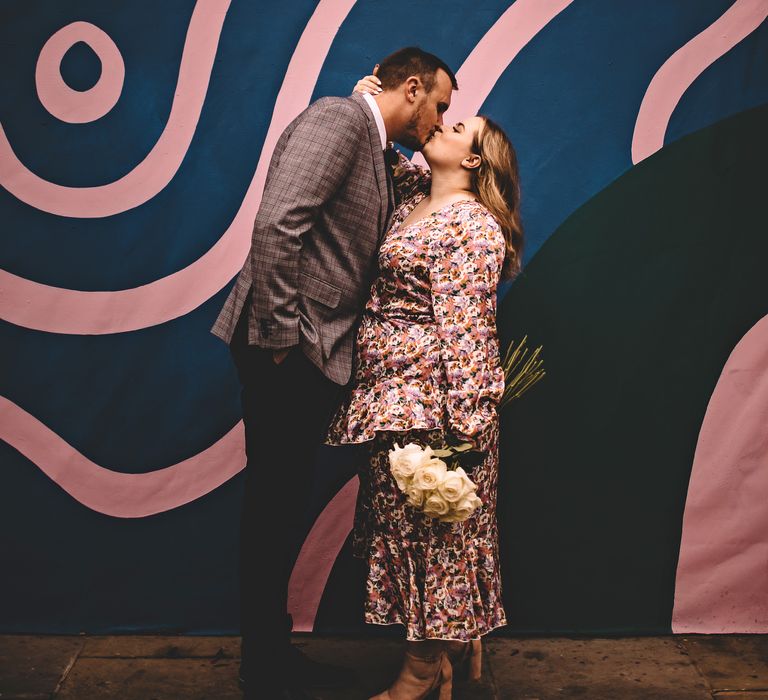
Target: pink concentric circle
[79, 106]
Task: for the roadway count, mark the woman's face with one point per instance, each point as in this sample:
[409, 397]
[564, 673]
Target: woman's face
[451, 146]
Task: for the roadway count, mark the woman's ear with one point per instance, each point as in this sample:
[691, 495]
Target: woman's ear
[472, 161]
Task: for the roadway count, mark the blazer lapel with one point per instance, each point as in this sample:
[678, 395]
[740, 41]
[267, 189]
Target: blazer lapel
[378, 164]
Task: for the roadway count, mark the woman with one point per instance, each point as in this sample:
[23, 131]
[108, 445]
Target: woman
[428, 371]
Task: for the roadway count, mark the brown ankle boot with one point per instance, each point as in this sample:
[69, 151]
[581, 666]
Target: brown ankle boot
[419, 676]
[467, 658]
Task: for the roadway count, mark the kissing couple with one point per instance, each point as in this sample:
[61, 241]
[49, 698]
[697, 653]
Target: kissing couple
[366, 313]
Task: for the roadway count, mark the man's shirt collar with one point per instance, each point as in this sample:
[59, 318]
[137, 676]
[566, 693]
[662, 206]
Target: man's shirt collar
[378, 118]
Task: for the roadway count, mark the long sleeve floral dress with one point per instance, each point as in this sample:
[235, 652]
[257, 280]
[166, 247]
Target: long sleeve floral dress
[427, 365]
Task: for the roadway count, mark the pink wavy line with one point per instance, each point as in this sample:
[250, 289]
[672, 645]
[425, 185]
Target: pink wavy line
[722, 570]
[56, 310]
[509, 35]
[161, 163]
[684, 66]
[482, 69]
[318, 555]
[114, 493]
[123, 495]
[79, 106]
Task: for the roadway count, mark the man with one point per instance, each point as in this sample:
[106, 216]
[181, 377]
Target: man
[291, 320]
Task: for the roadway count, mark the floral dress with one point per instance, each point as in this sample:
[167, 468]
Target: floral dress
[427, 366]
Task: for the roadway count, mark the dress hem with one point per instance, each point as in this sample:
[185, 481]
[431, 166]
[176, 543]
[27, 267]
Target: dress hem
[442, 639]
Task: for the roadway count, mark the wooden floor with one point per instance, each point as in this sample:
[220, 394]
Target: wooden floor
[677, 667]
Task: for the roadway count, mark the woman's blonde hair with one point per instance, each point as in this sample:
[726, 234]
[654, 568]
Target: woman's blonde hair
[497, 185]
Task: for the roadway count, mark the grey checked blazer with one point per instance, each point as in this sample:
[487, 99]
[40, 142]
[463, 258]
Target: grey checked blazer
[313, 256]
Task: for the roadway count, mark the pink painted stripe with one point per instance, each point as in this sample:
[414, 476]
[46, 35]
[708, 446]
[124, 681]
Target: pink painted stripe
[122, 495]
[114, 493]
[156, 170]
[684, 66]
[509, 35]
[56, 310]
[722, 571]
[318, 555]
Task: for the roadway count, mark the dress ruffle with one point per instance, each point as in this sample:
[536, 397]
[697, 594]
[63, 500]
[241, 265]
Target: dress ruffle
[423, 587]
[394, 403]
[404, 403]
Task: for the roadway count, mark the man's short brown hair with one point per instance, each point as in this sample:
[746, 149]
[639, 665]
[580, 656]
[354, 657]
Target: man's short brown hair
[396, 68]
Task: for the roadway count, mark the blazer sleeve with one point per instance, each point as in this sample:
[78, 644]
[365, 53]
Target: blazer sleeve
[410, 179]
[465, 266]
[316, 160]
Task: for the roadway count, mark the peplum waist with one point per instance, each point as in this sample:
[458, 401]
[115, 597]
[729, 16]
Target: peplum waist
[394, 348]
[388, 403]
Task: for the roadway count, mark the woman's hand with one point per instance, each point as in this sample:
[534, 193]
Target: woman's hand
[370, 83]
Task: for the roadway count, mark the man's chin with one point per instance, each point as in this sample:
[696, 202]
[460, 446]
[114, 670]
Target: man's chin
[412, 143]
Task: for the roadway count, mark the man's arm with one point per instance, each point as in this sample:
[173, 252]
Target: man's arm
[316, 161]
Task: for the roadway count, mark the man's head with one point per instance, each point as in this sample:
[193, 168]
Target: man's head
[417, 89]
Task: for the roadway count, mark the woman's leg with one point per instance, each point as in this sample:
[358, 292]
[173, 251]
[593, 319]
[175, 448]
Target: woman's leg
[466, 657]
[425, 667]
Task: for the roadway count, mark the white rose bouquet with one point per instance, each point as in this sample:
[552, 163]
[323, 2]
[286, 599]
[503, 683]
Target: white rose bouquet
[448, 494]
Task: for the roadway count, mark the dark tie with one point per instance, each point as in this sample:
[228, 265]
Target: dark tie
[390, 160]
[390, 155]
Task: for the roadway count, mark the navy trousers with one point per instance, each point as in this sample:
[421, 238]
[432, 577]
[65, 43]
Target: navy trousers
[286, 410]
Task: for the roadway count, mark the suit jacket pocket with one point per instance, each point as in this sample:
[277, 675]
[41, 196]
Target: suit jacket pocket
[317, 289]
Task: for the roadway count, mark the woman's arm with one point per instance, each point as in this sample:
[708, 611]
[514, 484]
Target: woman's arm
[465, 266]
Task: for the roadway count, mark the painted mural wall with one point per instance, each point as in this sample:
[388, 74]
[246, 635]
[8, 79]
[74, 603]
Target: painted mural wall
[134, 140]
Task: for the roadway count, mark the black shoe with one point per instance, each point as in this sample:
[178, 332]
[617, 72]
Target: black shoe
[315, 674]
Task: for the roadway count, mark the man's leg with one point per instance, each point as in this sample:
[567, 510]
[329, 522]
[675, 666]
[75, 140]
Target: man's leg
[255, 626]
[312, 399]
[286, 409]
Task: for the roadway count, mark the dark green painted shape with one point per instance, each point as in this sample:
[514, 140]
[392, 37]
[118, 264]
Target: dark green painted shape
[638, 299]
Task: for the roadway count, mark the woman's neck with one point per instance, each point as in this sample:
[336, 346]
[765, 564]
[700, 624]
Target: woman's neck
[450, 185]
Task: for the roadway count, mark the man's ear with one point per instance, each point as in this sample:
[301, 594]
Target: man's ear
[472, 161]
[413, 86]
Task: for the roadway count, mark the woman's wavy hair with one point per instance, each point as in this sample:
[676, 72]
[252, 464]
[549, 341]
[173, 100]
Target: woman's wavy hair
[497, 184]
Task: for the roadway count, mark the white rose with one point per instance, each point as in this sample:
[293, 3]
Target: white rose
[402, 479]
[403, 462]
[429, 475]
[453, 486]
[415, 496]
[465, 507]
[436, 505]
[469, 485]
[428, 453]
